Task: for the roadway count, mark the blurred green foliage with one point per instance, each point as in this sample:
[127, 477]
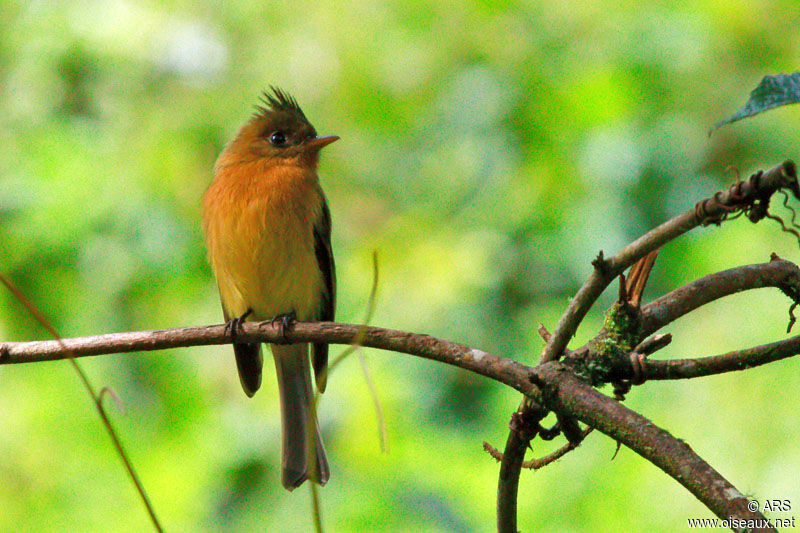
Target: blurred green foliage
[489, 150]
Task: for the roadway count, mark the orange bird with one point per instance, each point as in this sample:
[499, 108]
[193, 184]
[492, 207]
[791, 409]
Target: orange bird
[268, 232]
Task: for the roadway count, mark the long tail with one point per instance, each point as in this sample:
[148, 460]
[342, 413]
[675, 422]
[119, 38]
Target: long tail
[301, 438]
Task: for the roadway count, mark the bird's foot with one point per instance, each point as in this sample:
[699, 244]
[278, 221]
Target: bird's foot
[284, 322]
[234, 325]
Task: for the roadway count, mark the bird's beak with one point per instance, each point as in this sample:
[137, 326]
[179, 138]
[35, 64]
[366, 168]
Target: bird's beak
[318, 143]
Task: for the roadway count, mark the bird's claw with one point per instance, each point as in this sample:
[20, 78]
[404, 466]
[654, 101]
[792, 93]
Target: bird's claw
[234, 325]
[285, 322]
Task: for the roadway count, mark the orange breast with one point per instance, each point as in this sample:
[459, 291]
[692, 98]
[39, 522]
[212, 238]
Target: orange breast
[259, 225]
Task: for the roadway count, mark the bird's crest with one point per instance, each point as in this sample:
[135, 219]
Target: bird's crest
[278, 101]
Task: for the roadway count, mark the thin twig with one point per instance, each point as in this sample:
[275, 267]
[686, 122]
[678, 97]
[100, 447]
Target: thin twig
[494, 452]
[97, 399]
[316, 508]
[653, 344]
[727, 362]
[543, 333]
[383, 440]
[536, 464]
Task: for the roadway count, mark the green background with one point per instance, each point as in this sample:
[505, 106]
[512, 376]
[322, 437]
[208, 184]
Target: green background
[489, 150]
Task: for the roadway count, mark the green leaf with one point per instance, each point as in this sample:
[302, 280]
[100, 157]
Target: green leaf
[773, 91]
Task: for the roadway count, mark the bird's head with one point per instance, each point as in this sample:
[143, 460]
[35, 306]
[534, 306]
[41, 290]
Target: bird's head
[279, 130]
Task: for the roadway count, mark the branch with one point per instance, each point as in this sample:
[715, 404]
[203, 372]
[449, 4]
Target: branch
[541, 462]
[750, 196]
[504, 370]
[559, 389]
[550, 385]
[778, 273]
[523, 424]
[719, 364]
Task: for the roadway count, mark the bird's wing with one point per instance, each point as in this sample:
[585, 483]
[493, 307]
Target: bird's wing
[322, 247]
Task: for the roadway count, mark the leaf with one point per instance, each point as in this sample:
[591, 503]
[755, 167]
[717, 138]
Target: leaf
[773, 91]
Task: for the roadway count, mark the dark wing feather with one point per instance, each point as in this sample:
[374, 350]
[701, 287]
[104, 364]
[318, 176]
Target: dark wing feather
[249, 361]
[322, 248]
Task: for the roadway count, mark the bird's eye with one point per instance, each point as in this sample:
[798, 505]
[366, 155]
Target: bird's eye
[278, 138]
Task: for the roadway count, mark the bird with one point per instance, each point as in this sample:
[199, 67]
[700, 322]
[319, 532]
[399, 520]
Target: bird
[267, 228]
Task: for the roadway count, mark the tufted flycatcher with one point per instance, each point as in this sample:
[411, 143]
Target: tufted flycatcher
[268, 232]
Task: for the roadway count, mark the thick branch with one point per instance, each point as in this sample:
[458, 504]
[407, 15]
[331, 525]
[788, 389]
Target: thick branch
[712, 210]
[784, 275]
[559, 389]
